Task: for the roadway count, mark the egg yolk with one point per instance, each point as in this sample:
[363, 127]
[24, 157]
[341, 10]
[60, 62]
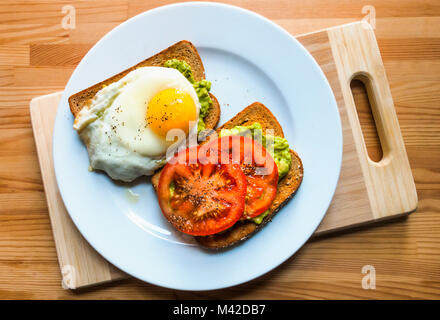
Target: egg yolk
[171, 109]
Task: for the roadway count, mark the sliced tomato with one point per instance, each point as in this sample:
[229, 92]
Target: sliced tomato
[201, 197]
[256, 163]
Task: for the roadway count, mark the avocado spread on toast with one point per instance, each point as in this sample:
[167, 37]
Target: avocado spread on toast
[202, 88]
[279, 150]
[259, 219]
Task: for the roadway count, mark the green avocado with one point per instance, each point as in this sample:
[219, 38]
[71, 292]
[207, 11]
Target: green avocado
[259, 219]
[202, 88]
[278, 147]
[172, 188]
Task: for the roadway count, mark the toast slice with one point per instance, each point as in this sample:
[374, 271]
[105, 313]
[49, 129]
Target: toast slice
[287, 186]
[182, 50]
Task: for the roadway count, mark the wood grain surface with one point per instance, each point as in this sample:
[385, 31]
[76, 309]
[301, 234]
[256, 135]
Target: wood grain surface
[37, 57]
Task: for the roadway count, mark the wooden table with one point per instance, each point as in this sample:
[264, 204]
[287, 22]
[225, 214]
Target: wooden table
[37, 56]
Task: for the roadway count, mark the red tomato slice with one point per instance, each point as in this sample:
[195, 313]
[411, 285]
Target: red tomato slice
[256, 163]
[201, 198]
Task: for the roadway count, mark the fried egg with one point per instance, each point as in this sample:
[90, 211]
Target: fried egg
[125, 126]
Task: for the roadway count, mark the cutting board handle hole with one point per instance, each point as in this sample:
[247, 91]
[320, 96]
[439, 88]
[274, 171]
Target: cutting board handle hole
[363, 95]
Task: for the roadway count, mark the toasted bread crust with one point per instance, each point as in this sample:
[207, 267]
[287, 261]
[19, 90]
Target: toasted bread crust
[287, 186]
[213, 115]
[182, 50]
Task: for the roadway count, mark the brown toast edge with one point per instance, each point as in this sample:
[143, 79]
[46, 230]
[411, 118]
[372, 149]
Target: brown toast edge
[213, 115]
[287, 186]
[182, 50]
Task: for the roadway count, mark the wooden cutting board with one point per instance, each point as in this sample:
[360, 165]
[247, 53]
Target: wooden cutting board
[367, 191]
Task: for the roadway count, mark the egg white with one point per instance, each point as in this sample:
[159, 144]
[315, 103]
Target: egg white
[114, 127]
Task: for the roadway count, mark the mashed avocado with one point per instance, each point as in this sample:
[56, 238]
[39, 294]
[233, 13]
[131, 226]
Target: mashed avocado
[202, 88]
[279, 151]
[259, 219]
[181, 66]
[172, 188]
[278, 147]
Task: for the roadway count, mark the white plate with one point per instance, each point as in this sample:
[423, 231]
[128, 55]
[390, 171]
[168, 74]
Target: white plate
[248, 58]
